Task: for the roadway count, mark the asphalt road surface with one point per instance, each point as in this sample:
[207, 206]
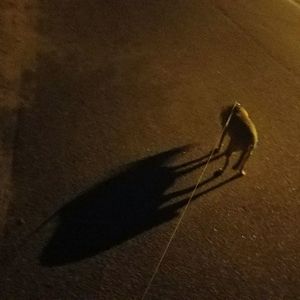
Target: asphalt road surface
[119, 108]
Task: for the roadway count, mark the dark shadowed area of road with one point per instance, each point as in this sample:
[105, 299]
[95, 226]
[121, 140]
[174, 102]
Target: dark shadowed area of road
[120, 111]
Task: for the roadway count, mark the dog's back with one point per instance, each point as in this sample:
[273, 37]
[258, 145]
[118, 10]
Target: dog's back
[241, 129]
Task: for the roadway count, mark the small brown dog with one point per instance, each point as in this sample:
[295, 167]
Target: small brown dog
[242, 134]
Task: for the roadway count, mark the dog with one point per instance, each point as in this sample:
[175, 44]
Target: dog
[242, 135]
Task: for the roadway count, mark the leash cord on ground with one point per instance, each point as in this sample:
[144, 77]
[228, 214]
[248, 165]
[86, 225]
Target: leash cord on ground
[185, 209]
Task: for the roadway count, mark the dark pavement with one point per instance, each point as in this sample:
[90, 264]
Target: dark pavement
[123, 110]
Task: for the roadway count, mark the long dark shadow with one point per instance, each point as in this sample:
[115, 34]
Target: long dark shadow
[197, 163]
[117, 209]
[183, 202]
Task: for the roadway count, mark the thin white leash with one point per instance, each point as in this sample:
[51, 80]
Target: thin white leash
[185, 209]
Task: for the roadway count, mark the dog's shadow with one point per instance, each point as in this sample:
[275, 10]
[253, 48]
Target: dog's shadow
[120, 208]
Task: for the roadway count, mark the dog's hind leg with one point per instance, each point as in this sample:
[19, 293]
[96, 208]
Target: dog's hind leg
[242, 160]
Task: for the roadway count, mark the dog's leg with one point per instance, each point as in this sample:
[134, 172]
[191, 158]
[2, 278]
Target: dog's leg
[245, 159]
[227, 158]
[220, 144]
[242, 160]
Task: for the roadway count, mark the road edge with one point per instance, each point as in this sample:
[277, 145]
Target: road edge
[17, 56]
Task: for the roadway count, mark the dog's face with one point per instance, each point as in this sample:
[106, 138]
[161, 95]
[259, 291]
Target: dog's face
[228, 110]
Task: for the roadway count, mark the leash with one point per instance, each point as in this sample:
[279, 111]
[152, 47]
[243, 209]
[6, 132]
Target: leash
[185, 208]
